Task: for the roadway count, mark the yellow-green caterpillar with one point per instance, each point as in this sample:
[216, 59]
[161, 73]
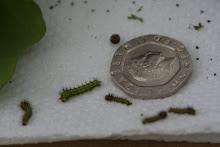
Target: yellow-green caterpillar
[188, 110]
[159, 116]
[26, 106]
[111, 97]
[66, 94]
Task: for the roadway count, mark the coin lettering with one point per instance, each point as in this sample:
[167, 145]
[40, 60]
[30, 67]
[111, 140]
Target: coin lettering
[157, 38]
[183, 75]
[113, 73]
[180, 49]
[175, 83]
[116, 63]
[167, 42]
[143, 39]
[184, 56]
[138, 41]
[186, 65]
[127, 46]
[118, 54]
[137, 90]
[129, 86]
[122, 79]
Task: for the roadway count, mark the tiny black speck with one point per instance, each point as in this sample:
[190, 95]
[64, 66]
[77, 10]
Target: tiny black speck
[177, 5]
[10, 81]
[92, 10]
[197, 58]
[58, 1]
[211, 59]
[107, 10]
[70, 19]
[197, 47]
[215, 74]
[208, 21]
[133, 2]
[85, 2]
[169, 18]
[201, 11]
[72, 3]
[51, 7]
[141, 114]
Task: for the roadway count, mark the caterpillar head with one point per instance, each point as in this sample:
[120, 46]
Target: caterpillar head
[163, 114]
[24, 123]
[24, 103]
[191, 110]
[98, 82]
[63, 99]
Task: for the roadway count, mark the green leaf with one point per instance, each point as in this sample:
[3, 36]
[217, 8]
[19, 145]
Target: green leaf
[196, 27]
[21, 26]
[134, 17]
[140, 9]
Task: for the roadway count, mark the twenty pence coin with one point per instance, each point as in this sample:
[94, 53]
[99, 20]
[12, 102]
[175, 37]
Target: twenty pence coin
[151, 66]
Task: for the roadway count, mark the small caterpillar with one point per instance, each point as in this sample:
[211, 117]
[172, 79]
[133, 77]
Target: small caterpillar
[66, 94]
[111, 97]
[188, 110]
[159, 116]
[26, 106]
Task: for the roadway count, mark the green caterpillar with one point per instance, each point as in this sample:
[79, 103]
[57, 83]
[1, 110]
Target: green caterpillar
[111, 97]
[159, 116]
[26, 106]
[188, 110]
[66, 94]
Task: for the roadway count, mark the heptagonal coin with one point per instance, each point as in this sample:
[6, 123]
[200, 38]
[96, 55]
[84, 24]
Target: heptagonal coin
[151, 66]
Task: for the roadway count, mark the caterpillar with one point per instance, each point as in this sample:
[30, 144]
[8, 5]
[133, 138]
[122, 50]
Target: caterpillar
[66, 94]
[188, 110]
[26, 106]
[111, 97]
[159, 116]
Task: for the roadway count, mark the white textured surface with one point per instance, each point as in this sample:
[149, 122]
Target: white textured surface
[76, 51]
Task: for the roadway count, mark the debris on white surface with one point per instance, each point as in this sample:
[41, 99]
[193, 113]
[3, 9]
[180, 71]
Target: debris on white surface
[76, 49]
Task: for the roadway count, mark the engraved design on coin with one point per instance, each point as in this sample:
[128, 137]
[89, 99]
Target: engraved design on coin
[151, 66]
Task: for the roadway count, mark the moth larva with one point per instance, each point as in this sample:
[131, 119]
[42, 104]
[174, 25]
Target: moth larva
[26, 106]
[159, 116]
[66, 94]
[188, 110]
[111, 97]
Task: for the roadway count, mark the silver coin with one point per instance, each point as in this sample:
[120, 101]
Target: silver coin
[151, 66]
